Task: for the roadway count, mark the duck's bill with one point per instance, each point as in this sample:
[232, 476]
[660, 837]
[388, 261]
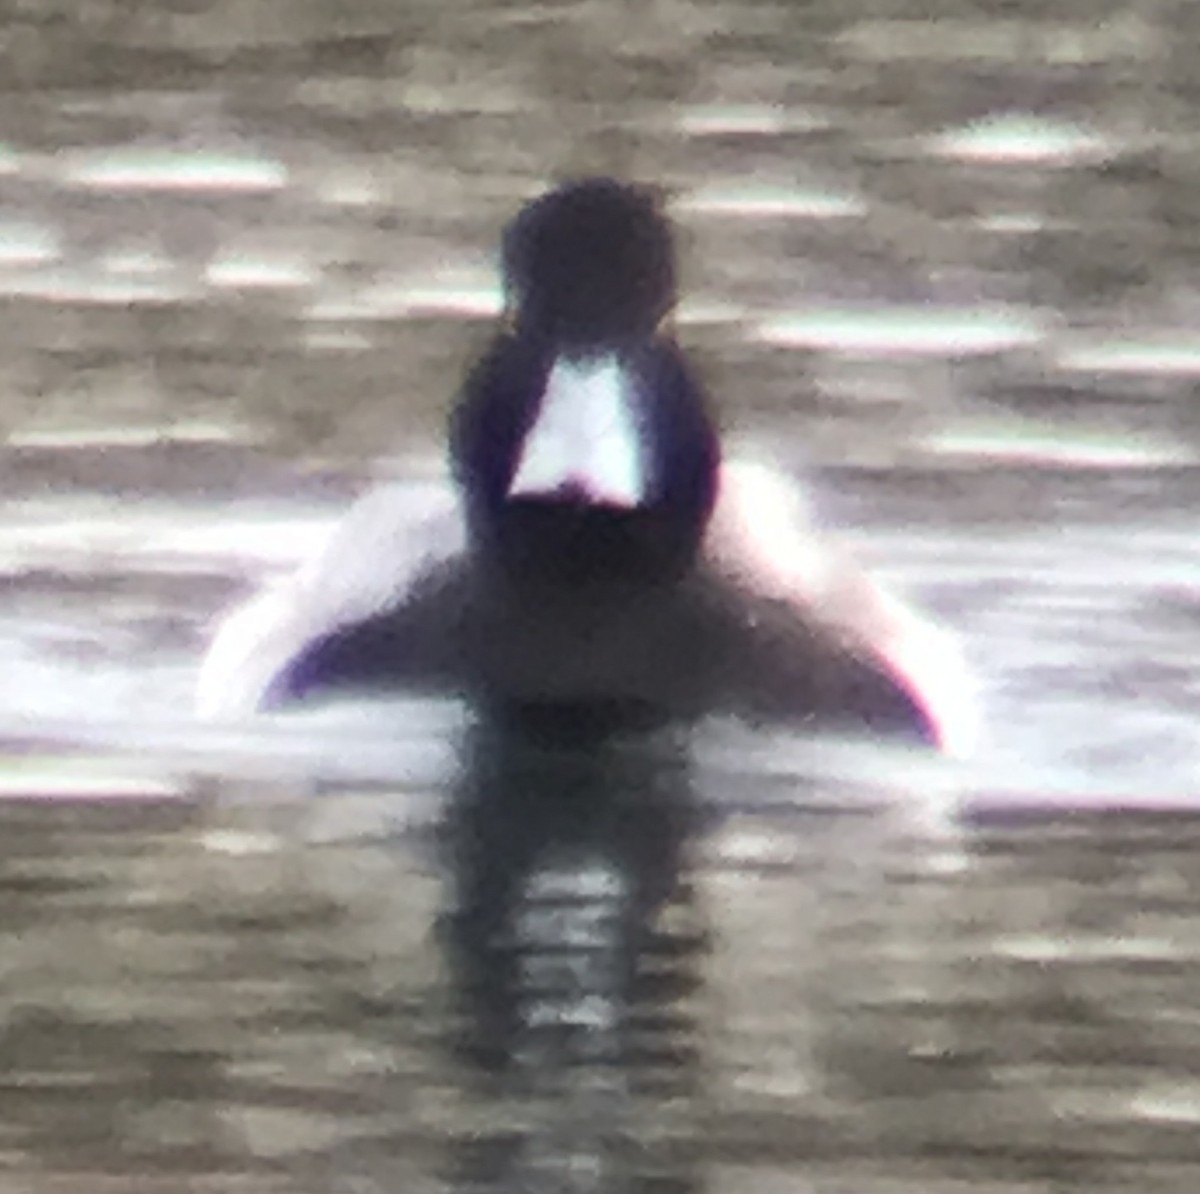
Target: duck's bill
[588, 441]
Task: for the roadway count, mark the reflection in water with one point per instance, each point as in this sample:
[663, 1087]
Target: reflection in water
[574, 942]
[594, 992]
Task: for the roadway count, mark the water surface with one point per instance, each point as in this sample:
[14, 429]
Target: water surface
[946, 269]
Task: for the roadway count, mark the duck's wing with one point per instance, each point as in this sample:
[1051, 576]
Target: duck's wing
[392, 550]
[825, 621]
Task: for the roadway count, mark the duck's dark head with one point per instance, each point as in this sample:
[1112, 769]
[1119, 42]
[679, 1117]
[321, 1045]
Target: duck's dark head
[583, 445]
[590, 265]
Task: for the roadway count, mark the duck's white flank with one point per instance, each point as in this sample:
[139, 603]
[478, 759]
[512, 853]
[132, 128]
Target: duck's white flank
[393, 534]
[763, 534]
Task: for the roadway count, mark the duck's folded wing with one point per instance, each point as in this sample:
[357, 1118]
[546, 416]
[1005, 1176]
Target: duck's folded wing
[394, 538]
[763, 540]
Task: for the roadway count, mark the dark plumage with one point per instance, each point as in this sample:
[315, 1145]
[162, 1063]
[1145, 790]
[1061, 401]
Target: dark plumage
[595, 559]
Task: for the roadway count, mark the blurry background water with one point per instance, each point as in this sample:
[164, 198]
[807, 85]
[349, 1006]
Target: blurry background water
[943, 257]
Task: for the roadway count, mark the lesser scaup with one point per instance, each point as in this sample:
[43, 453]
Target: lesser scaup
[594, 556]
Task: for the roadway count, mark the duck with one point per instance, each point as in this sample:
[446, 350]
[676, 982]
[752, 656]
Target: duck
[595, 554]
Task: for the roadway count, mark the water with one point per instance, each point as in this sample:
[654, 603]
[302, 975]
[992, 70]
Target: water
[947, 269]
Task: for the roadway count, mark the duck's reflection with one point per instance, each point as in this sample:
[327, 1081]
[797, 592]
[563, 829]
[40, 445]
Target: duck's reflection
[575, 945]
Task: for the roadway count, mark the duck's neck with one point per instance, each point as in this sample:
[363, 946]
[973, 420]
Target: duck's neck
[581, 537]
